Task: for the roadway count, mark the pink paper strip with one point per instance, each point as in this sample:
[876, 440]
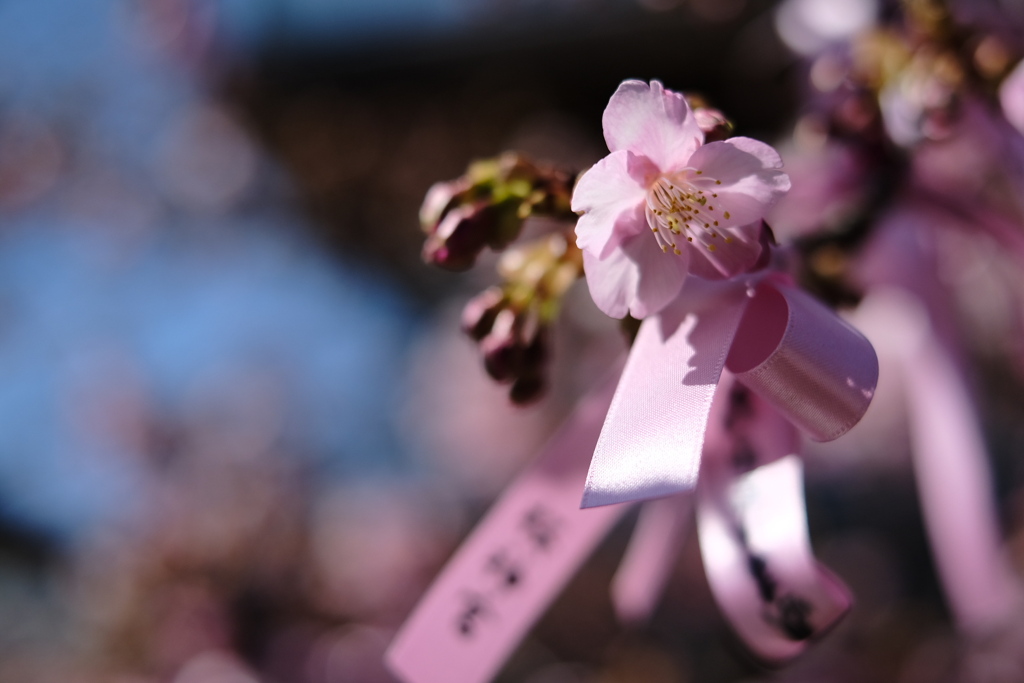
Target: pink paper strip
[651, 441]
[758, 559]
[512, 565]
[953, 479]
[650, 556]
[811, 365]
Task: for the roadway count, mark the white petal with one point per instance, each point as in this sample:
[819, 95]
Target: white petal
[638, 278]
[748, 175]
[611, 196]
[653, 122]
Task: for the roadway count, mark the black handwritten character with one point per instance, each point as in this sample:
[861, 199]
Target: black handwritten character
[510, 571]
[793, 617]
[475, 608]
[540, 526]
[766, 583]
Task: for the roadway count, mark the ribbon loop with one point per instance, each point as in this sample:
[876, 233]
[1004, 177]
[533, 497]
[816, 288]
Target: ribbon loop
[758, 559]
[816, 369]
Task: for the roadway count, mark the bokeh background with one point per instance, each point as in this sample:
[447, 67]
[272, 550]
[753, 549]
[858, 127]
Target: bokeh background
[239, 428]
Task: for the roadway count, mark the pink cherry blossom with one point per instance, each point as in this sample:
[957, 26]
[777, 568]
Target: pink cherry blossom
[663, 204]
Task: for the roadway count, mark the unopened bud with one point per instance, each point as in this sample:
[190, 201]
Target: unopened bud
[535, 355]
[527, 389]
[711, 121]
[440, 199]
[458, 238]
[480, 312]
[516, 346]
[486, 207]
[502, 348]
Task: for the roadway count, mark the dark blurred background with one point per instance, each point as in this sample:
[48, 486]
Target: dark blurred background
[239, 431]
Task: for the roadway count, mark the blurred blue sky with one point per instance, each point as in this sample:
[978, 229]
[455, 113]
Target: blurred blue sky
[202, 294]
[254, 21]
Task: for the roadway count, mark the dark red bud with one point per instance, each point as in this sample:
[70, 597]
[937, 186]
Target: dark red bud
[440, 199]
[480, 312]
[502, 349]
[535, 355]
[527, 389]
[713, 123]
[459, 237]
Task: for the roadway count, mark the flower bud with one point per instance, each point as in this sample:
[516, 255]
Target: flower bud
[527, 389]
[713, 123]
[458, 238]
[515, 348]
[502, 349]
[710, 120]
[480, 312]
[440, 199]
[486, 207]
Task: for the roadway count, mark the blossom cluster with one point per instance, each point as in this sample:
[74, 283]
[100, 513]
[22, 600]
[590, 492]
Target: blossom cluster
[902, 178]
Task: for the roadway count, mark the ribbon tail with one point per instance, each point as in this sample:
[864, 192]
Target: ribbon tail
[953, 479]
[752, 526]
[652, 552]
[651, 441]
[511, 566]
[661, 530]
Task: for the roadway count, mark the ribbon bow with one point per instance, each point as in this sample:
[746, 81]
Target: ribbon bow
[646, 437]
[810, 365]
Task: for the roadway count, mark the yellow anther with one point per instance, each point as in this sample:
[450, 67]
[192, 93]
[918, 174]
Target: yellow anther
[711, 247]
[726, 214]
[718, 182]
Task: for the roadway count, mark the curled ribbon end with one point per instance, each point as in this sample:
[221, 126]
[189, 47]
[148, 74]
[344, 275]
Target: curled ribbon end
[810, 364]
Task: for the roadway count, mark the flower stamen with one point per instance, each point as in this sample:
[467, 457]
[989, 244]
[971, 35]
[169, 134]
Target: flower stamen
[673, 207]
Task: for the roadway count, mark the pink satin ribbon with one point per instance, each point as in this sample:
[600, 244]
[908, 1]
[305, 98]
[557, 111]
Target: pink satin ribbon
[810, 365]
[646, 442]
[950, 464]
[753, 538]
[816, 369]
[752, 532]
[752, 526]
[512, 565]
[652, 552]
[652, 437]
